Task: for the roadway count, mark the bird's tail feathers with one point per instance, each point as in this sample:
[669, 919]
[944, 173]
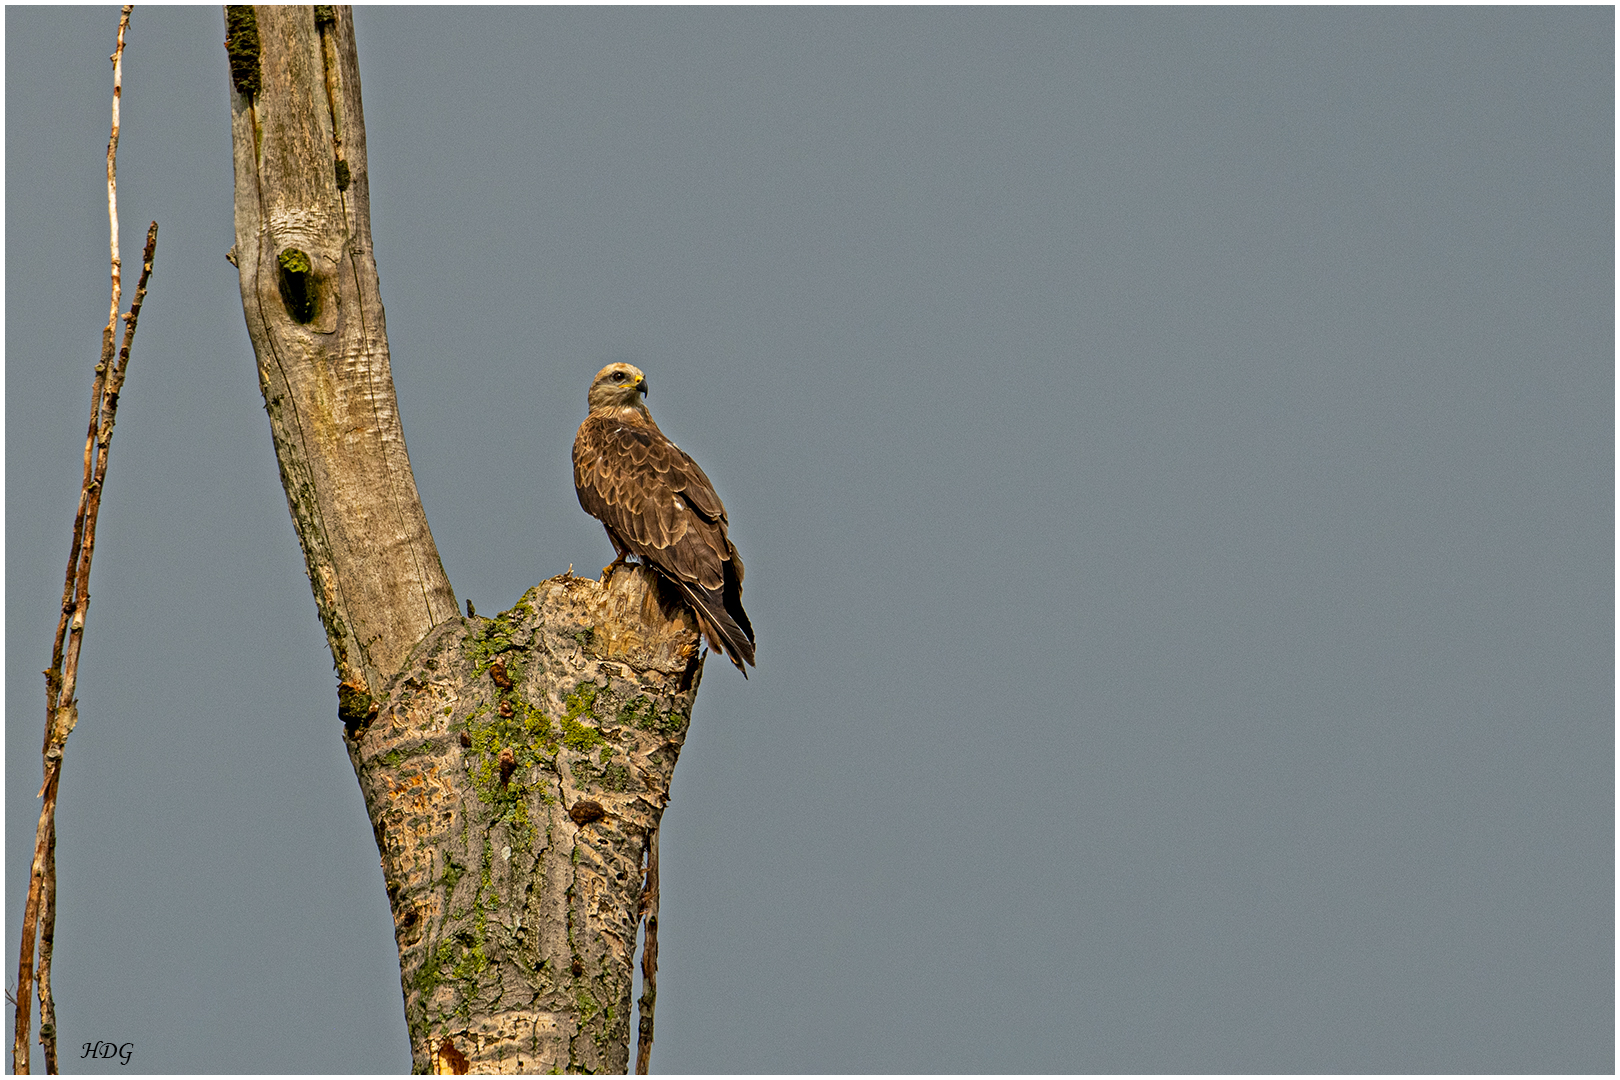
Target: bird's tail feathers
[719, 625]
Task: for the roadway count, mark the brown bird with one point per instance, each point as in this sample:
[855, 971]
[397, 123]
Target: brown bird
[656, 504]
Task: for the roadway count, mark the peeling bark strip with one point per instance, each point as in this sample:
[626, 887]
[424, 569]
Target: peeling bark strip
[314, 312]
[649, 961]
[514, 774]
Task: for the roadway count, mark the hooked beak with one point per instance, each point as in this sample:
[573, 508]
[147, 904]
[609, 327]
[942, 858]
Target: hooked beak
[641, 387]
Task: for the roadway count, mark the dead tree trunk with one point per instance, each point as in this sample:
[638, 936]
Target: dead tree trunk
[514, 768]
[314, 312]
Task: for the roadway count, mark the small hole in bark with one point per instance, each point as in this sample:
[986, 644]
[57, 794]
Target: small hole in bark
[355, 708]
[577, 968]
[451, 1058]
[466, 739]
[297, 283]
[585, 811]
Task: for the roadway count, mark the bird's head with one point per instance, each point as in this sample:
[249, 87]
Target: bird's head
[617, 386]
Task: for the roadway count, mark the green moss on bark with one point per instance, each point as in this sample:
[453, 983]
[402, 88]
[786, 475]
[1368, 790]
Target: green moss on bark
[242, 46]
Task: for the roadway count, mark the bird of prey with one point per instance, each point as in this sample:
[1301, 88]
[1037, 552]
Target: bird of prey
[656, 504]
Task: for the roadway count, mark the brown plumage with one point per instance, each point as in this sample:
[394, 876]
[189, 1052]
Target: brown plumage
[656, 504]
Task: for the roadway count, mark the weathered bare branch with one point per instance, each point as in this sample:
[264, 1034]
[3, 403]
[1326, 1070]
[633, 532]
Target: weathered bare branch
[61, 679]
[47, 944]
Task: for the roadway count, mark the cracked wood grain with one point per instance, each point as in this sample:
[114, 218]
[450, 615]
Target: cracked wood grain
[516, 913]
[314, 312]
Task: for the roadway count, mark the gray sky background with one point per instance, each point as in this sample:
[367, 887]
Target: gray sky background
[1173, 455]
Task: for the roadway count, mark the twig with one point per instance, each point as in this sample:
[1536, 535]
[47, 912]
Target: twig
[61, 680]
[47, 941]
[649, 961]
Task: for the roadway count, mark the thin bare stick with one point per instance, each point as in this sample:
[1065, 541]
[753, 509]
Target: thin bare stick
[61, 708]
[112, 180]
[67, 710]
[47, 941]
[649, 961]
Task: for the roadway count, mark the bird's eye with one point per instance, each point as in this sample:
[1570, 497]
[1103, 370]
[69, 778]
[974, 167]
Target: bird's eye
[618, 376]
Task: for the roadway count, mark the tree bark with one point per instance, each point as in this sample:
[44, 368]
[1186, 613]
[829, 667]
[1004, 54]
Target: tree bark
[514, 768]
[515, 775]
[314, 312]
